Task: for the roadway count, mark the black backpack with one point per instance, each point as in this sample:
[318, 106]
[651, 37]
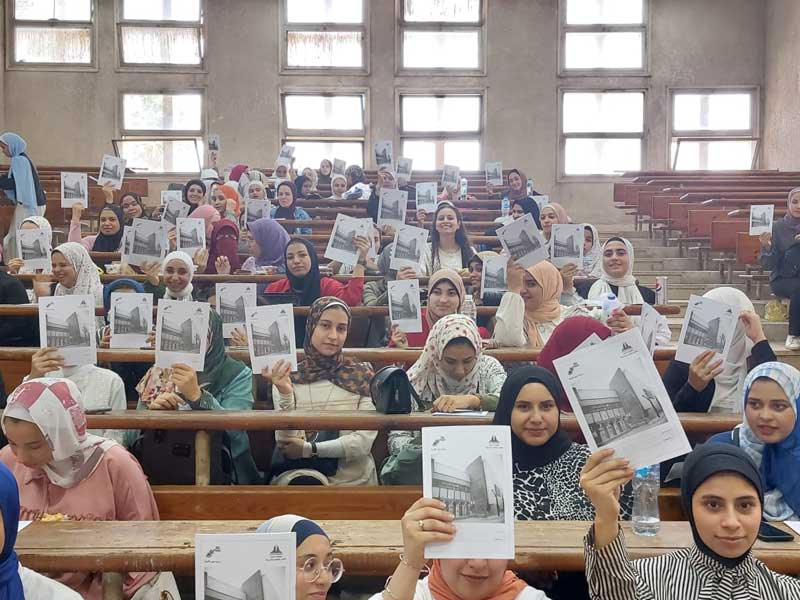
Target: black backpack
[391, 392]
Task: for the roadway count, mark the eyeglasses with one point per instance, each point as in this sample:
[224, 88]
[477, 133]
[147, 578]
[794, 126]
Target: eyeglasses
[313, 567]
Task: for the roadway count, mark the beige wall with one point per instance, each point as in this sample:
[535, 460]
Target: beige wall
[782, 82]
[69, 118]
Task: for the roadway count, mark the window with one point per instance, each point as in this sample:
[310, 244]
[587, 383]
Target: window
[601, 132]
[161, 33]
[608, 35]
[441, 36]
[324, 125]
[714, 129]
[48, 33]
[441, 129]
[319, 35]
[162, 132]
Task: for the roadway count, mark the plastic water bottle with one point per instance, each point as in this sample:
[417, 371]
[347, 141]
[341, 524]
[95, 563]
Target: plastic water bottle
[468, 308]
[462, 193]
[530, 188]
[505, 207]
[646, 482]
[610, 304]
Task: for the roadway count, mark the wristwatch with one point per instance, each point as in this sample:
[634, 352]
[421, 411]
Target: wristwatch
[362, 261]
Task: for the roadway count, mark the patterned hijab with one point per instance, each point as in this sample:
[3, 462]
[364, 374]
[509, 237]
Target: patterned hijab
[56, 408]
[88, 282]
[427, 376]
[451, 277]
[549, 279]
[343, 371]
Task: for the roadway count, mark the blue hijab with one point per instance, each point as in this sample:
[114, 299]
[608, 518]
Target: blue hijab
[116, 284]
[302, 527]
[24, 191]
[10, 583]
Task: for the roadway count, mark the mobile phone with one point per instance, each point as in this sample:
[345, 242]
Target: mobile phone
[770, 533]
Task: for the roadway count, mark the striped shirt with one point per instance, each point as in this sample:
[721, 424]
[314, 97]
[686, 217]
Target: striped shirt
[687, 574]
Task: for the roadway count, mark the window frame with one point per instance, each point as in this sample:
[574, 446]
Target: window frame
[287, 136]
[119, 23]
[564, 28]
[401, 25]
[124, 134]
[706, 135]
[438, 136]
[562, 176]
[283, 43]
[12, 23]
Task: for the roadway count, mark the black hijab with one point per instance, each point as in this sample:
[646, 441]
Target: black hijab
[704, 461]
[530, 457]
[110, 243]
[306, 288]
[287, 212]
[186, 187]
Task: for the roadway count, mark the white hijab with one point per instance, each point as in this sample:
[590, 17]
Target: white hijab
[88, 281]
[592, 260]
[729, 385]
[185, 293]
[627, 292]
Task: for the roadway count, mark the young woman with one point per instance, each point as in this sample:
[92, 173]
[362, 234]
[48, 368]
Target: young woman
[256, 190]
[16, 264]
[616, 276]
[223, 248]
[325, 169]
[225, 200]
[305, 188]
[449, 247]
[517, 194]
[312, 177]
[178, 270]
[267, 243]
[386, 180]
[62, 470]
[317, 569]
[475, 268]
[709, 385]
[132, 207]
[357, 187]
[338, 187]
[325, 381]
[194, 193]
[21, 186]
[108, 238]
[445, 297]
[770, 436]
[425, 522]
[74, 272]
[592, 253]
[552, 214]
[722, 495]
[287, 208]
[780, 254]
[224, 384]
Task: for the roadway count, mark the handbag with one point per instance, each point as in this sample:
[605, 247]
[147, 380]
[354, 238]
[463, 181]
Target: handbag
[405, 467]
[326, 466]
[391, 392]
[167, 457]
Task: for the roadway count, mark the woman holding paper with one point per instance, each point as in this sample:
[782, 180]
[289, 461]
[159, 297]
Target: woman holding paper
[325, 170]
[109, 236]
[287, 208]
[225, 200]
[74, 272]
[267, 243]
[325, 381]
[770, 435]
[552, 214]
[722, 495]
[427, 521]
[592, 253]
[17, 265]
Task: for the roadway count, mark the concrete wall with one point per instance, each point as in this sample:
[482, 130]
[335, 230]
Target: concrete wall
[69, 118]
[782, 83]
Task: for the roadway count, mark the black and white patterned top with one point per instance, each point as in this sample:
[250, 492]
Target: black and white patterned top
[552, 492]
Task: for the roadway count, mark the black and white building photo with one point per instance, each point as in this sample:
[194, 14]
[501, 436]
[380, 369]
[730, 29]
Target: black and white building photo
[566, 246]
[426, 194]
[232, 310]
[344, 238]
[524, 244]
[131, 319]
[391, 209]
[111, 169]
[189, 235]
[146, 242]
[270, 338]
[472, 492]
[404, 305]
[68, 331]
[709, 334]
[493, 172]
[181, 333]
[73, 186]
[450, 175]
[257, 209]
[408, 248]
[35, 248]
[174, 211]
[760, 216]
[383, 153]
[494, 275]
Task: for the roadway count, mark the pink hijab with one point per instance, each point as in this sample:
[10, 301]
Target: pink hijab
[209, 214]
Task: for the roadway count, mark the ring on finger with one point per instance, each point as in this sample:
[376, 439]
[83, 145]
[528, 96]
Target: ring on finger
[421, 525]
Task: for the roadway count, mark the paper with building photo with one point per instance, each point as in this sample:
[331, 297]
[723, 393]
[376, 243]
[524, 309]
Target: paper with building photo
[392, 208]
[590, 341]
[566, 245]
[127, 243]
[339, 166]
[426, 196]
[148, 241]
[707, 325]
[174, 207]
[405, 306]
[374, 242]
[233, 300]
[494, 275]
[182, 333]
[67, 323]
[112, 170]
[620, 401]
[469, 469]
[249, 566]
[761, 216]
[270, 336]
[404, 169]
[213, 142]
[494, 173]
[74, 189]
[256, 209]
[410, 244]
[33, 247]
[342, 243]
[541, 200]
[451, 175]
[384, 154]
[285, 156]
[522, 241]
[191, 235]
[131, 318]
[648, 325]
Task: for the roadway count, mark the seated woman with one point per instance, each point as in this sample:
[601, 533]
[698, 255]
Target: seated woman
[225, 200]
[325, 170]
[357, 187]
[256, 190]
[552, 214]
[62, 470]
[338, 187]
[287, 208]
[132, 207]
[709, 385]
[426, 522]
[194, 194]
[770, 435]
[517, 194]
[475, 268]
[17, 265]
[449, 247]
[74, 272]
[722, 495]
[445, 296]
[371, 267]
[223, 248]
[309, 187]
[267, 244]
[386, 180]
[224, 384]
[178, 270]
[317, 568]
[592, 253]
[109, 237]
[325, 381]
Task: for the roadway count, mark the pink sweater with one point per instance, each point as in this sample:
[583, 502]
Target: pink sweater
[117, 490]
[75, 236]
